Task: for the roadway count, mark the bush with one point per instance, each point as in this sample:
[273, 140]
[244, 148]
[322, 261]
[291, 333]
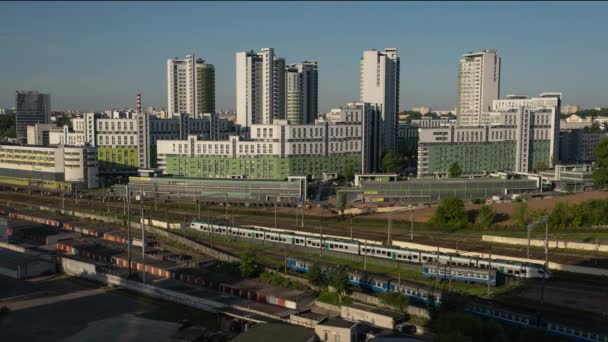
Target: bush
[274, 278]
[450, 213]
[486, 216]
[395, 300]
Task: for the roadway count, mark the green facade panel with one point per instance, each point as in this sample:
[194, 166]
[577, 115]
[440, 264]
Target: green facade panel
[117, 158]
[259, 167]
[472, 158]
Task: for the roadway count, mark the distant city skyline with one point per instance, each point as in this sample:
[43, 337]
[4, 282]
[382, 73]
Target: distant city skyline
[94, 56]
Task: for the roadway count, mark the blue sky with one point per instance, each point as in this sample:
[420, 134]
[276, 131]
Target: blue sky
[92, 56]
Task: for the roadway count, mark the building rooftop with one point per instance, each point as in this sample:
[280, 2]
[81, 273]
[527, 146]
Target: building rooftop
[338, 322]
[276, 332]
[12, 260]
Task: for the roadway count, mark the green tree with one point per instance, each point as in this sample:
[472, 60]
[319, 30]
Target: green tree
[486, 216]
[248, 265]
[349, 172]
[338, 279]
[521, 215]
[410, 115]
[7, 126]
[395, 300]
[63, 120]
[315, 275]
[600, 175]
[342, 202]
[540, 166]
[450, 212]
[389, 164]
[455, 170]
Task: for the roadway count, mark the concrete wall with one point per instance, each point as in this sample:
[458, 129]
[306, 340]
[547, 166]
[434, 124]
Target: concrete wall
[412, 310]
[541, 243]
[378, 320]
[79, 269]
[331, 333]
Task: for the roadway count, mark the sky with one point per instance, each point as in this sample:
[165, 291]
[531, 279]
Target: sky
[95, 56]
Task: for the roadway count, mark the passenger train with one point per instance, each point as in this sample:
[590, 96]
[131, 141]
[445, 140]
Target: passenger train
[460, 273]
[480, 307]
[372, 282]
[507, 267]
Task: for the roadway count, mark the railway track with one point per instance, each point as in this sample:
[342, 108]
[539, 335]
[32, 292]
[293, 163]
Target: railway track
[329, 226]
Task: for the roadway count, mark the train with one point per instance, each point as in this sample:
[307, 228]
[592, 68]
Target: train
[459, 273]
[372, 282]
[398, 254]
[553, 324]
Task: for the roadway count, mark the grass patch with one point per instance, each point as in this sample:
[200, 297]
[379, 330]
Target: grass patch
[333, 298]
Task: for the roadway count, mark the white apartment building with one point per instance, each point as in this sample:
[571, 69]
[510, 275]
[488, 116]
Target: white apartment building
[514, 140]
[302, 92]
[190, 86]
[260, 87]
[478, 85]
[345, 131]
[379, 83]
[544, 100]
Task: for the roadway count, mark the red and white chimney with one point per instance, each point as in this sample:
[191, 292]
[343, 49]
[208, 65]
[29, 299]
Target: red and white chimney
[138, 103]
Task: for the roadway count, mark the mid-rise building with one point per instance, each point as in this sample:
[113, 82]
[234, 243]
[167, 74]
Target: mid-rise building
[32, 108]
[124, 145]
[344, 139]
[190, 86]
[38, 134]
[379, 84]
[50, 167]
[570, 109]
[260, 87]
[544, 100]
[422, 110]
[478, 86]
[302, 92]
[577, 146]
[517, 140]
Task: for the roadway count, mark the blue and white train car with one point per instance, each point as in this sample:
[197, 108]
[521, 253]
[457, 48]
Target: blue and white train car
[460, 273]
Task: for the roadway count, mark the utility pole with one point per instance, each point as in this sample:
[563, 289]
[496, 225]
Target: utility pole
[128, 206]
[412, 225]
[542, 289]
[351, 227]
[143, 237]
[321, 237]
[303, 212]
[365, 257]
[275, 213]
[226, 208]
[62, 198]
[198, 204]
[489, 269]
[155, 196]
[285, 261]
[388, 238]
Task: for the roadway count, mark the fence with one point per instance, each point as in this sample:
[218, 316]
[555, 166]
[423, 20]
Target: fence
[552, 243]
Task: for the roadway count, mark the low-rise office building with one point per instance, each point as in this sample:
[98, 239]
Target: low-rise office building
[577, 146]
[126, 144]
[517, 140]
[50, 167]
